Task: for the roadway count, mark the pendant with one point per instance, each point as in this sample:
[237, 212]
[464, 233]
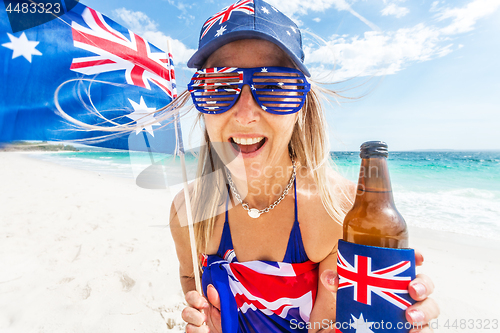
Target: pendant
[254, 213]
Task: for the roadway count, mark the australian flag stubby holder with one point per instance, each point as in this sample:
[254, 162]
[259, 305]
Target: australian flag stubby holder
[373, 288]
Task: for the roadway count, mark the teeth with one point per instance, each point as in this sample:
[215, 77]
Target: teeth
[249, 141]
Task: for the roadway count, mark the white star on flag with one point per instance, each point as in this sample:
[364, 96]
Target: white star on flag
[264, 70]
[253, 87]
[22, 47]
[361, 325]
[143, 116]
[221, 31]
[264, 108]
[280, 84]
[265, 10]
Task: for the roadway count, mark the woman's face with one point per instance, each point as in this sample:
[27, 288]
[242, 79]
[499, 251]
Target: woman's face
[246, 120]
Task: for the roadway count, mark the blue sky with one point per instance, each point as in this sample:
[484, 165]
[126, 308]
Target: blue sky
[430, 68]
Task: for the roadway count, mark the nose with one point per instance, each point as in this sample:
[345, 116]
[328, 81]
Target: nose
[246, 109]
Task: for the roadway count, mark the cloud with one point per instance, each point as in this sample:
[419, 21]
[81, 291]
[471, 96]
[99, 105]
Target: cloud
[464, 19]
[299, 7]
[377, 53]
[393, 9]
[184, 8]
[317, 19]
[141, 24]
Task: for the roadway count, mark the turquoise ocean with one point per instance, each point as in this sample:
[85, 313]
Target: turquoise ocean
[442, 190]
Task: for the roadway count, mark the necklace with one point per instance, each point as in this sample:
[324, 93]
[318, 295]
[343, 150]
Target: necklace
[254, 212]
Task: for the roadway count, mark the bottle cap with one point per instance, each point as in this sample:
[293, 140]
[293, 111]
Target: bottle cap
[374, 148]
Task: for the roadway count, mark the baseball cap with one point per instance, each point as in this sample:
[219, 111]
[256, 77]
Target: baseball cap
[249, 19]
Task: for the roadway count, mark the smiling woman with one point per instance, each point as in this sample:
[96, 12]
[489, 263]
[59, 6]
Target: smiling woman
[265, 132]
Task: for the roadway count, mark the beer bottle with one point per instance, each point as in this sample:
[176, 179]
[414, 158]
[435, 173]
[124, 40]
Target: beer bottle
[374, 219]
[374, 263]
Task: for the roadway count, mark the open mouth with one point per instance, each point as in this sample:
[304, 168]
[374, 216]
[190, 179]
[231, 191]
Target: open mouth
[248, 148]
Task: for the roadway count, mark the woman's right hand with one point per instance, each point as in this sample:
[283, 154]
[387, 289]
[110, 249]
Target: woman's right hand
[200, 311]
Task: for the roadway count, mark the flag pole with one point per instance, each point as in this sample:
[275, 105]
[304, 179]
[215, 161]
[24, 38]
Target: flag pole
[187, 198]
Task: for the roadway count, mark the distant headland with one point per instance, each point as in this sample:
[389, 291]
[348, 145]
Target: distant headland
[36, 146]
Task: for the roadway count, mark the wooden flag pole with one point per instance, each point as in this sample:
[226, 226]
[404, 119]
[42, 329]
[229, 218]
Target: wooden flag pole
[187, 199]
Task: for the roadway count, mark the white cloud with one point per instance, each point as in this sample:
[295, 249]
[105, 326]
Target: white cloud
[300, 7]
[141, 24]
[464, 19]
[184, 8]
[138, 22]
[317, 19]
[393, 9]
[382, 53]
[378, 53]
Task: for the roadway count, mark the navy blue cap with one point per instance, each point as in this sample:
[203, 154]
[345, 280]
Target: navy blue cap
[249, 19]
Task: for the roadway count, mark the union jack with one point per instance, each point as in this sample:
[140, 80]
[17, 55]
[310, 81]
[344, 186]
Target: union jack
[116, 52]
[382, 282]
[245, 6]
[200, 83]
[273, 287]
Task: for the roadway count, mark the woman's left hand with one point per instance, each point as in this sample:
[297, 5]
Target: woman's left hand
[422, 312]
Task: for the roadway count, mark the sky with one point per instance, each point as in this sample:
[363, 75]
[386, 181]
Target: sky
[418, 74]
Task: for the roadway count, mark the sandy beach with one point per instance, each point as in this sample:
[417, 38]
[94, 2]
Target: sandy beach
[87, 252]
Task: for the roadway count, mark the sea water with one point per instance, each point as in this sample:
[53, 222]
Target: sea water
[450, 191]
[442, 190]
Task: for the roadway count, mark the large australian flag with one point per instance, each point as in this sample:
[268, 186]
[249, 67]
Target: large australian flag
[78, 76]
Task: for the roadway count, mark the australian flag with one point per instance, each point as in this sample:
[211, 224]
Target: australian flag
[82, 68]
[373, 288]
[262, 296]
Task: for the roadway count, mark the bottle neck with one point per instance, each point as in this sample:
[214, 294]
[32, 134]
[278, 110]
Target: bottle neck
[374, 181]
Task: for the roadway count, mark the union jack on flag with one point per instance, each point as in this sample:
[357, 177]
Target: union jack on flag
[262, 296]
[117, 52]
[382, 282]
[245, 6]
[373, 287]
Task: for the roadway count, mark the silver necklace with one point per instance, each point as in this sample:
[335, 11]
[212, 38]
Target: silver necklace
[254, 212]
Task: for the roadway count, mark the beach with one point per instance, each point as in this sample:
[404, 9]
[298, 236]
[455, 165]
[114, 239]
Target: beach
[84, 251]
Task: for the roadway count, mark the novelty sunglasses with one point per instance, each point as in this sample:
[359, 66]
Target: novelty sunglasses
[277, 90]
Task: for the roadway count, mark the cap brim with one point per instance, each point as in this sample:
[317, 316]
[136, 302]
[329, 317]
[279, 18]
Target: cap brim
[200, 57]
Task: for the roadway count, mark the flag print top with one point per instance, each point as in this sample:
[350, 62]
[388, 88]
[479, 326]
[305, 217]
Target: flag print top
[263, 296]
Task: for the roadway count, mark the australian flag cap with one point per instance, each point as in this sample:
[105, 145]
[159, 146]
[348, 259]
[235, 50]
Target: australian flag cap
[247, 19]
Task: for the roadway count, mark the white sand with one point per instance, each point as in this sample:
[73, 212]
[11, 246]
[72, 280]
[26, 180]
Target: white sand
[83, 252]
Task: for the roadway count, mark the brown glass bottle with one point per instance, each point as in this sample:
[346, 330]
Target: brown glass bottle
[374, 220]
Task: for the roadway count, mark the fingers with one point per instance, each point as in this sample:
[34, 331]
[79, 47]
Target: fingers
[421, 287]
[197, 329]
[193, 316]
[421, 313]
[213, 296]
[423, 329]
[330, 280]
[419, 258]
[195, 300]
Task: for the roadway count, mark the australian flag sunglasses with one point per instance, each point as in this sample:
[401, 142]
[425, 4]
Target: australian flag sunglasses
[277, 90]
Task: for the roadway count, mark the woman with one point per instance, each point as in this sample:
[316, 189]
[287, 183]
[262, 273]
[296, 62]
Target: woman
[266, 133]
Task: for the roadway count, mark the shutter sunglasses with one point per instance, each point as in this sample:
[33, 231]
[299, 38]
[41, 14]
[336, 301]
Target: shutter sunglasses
[277, 90]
